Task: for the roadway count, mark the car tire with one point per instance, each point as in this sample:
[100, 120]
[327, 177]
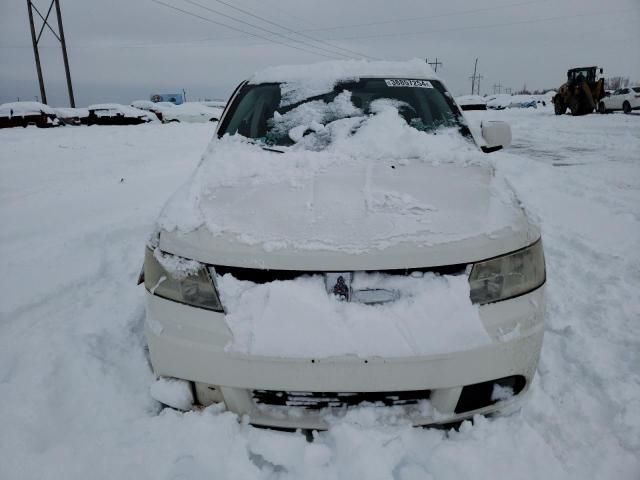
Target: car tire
[602, 108]
[626, 107]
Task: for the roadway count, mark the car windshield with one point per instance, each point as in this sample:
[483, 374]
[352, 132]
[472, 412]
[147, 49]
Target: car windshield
[258, 112]
[636, 89]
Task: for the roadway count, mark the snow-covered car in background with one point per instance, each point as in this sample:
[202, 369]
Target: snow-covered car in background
[345, 241]
[214, 103]
[116, 114]
[193, 112]
[157, 108]
[73, 116]
[499, 101]
[23, 114]
[471, 102]
[625, 99]
[523, 101]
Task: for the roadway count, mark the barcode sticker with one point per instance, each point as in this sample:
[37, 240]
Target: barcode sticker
[405, 82]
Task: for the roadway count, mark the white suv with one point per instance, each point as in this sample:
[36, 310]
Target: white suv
[625, 99]
[343, 242]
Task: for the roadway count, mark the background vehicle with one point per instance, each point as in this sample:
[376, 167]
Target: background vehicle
[625, 99]
[471, 102]
[116, 114]
[22, 114]
[73, 116]
[581, 93]
[193, 112]
[157, 108]
[214, 103]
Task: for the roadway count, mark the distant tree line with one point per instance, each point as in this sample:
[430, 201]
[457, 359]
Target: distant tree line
[613, 83]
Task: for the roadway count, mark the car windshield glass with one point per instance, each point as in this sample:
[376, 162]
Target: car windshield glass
[636, 89]
[257, 112]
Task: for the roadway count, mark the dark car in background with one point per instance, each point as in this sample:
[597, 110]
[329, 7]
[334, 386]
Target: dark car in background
[23, 114]
[116, 114]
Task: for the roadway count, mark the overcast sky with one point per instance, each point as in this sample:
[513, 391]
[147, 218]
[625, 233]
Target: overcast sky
[121, 50]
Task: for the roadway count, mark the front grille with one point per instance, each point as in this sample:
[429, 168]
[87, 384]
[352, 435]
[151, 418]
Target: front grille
[320, 400]
[257, 275]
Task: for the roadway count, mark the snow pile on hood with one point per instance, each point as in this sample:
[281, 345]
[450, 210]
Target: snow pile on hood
[433, 315]
[21, 109]
[354, 184]
[298, 82]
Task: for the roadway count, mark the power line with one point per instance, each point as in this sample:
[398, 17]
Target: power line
[505, 24]
[258, 27]
[427, 17]
[206, 19]
[199, 41]
[297, 32]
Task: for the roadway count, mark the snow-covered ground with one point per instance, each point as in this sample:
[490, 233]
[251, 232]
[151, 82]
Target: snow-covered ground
[76, 207]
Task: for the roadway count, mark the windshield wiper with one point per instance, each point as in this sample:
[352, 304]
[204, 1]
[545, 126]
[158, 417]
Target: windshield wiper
[263, 145]
[269, 149]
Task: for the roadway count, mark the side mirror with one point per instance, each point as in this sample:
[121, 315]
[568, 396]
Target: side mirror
[601, 71]
[496, 134]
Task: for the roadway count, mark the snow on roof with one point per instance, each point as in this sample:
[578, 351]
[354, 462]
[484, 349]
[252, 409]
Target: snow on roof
[105, 106]
[66, 112]
[25, 108]
[471, 100]
[142, 104]
[304, 81]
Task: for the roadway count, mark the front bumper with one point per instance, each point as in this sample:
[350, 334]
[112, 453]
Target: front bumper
[188, 343]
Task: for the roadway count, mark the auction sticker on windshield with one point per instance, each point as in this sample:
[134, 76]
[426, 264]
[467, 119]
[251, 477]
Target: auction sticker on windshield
[405, 82]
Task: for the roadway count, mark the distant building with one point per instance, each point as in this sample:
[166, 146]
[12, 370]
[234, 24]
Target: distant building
[176, 98]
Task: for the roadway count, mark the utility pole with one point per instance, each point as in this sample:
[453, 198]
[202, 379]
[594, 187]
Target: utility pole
[434, 64]
[479, 77]
[497, 88]
[59, 35]
[36, 54]
[473, 77]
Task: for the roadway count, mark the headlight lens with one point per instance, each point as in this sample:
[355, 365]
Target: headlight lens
[508, 276]
[180, 280]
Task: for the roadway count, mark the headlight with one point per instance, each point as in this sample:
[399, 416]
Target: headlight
[508, 276]
[180, 280]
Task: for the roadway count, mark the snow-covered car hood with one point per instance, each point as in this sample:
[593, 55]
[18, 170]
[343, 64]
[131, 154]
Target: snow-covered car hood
[362, 193]
[384, 215]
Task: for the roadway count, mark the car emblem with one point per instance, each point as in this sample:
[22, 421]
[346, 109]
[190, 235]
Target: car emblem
[339, 284]
[340, 289]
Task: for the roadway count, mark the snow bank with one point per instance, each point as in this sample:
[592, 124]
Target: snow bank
[432, 315]
[298, 82]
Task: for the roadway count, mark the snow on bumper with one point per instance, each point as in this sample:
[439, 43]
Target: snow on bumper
[189, 343]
